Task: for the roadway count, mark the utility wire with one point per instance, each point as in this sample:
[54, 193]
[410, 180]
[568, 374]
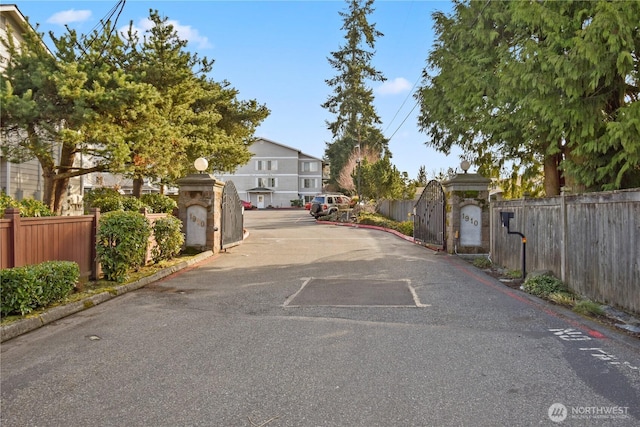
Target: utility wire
[411, 92]
[118, 8]
[404, 120]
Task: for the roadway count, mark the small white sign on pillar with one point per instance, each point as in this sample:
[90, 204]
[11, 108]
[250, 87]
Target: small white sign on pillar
[471, 226]
[196, 226]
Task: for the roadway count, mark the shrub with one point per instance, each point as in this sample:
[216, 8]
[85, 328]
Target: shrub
[562, 298]
[296, 203]
[131, 203]
[105, 198]
[27, 288]
[122, 243]
[6, 201]
[28, 207]
[99, 193]
[543, 285]
[159, 203]
[587, 307]
[405, 227]
[108, 203]
[169, 238]
[482, 263]
[34, 208]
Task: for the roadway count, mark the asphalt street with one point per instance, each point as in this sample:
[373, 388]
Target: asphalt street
[308, 324]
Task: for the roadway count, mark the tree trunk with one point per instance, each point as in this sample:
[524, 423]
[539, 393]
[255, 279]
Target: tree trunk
[137, 186]
[552, 175]
[47, 178]
[60, 185]
[572, 182]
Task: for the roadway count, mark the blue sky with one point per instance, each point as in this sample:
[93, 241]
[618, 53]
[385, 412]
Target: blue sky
[276, 52]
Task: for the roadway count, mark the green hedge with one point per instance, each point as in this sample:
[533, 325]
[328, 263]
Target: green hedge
[169, 238]
[24, 289]
[108, 200]
[405, 227]
[543, 285]
[159, 203]
[122, 243]
[28, 207]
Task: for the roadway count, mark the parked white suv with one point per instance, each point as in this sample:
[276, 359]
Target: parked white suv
[326, 204]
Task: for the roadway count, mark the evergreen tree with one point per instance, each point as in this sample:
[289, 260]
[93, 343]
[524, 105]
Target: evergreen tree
[197, 117]
[421, 179]
[356, 121]
[382, 180]
[58, 106]
[547, 88]
[145, 110]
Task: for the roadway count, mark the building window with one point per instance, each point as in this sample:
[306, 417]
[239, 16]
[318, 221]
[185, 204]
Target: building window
[309, 166]
[267, 165]
[267, 182]
[309, 183]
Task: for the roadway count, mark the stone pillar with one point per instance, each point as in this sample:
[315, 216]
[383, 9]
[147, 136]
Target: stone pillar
[200, 210]
[467, 214]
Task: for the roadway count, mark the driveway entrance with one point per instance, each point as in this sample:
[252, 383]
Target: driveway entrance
[218, 344]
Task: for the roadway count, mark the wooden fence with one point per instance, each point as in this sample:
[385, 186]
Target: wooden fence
[589, 241]
[398, 210]
[27, 241]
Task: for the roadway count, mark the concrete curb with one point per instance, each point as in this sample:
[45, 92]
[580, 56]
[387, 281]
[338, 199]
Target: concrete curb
[373, 227]
[29, 324]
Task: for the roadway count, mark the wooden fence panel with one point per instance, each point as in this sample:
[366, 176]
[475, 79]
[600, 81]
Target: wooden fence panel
[6, 243]
[398, 210]
[28, 241]
[590, 241]
[603, 249]
[35, 240]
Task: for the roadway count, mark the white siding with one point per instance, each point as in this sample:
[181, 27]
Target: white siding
[280, 169]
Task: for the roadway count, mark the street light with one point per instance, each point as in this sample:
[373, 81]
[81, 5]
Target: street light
[201, 164]
[465, 165]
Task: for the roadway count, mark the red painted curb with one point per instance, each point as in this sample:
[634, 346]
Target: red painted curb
[375, 227]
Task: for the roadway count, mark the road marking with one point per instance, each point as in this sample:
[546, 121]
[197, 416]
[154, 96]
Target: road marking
[570, 334]
[602, 355]
[416, 299]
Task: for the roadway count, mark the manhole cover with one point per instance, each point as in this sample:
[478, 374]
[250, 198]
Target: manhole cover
[355, 292]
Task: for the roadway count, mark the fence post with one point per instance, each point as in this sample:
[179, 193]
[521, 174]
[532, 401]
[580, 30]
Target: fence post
[96, 271]
[563, 237]
[147, 257]
[15, 251]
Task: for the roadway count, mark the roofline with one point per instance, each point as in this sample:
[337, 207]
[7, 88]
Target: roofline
[259, 138]
[13, 10]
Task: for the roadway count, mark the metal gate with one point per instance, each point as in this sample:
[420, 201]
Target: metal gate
[429, 218]
[232, 220]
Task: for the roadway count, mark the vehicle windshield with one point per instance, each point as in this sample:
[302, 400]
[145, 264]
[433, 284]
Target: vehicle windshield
[318, 199]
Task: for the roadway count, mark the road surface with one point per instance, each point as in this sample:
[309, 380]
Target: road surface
[321, 325]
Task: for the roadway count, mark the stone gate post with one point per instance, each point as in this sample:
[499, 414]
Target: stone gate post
[467, 213]
[200, 209]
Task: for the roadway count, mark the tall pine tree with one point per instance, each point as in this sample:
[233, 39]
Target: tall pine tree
[356, 120]
[196, 117]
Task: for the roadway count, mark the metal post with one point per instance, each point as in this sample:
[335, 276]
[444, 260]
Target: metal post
[505, 217]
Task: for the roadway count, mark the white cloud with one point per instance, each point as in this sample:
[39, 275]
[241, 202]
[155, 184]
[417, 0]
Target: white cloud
[185, 32]
[69, 16]
[393, 87]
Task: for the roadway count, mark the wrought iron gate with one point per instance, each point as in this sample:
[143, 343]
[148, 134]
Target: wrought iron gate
[429, 218]
[232, 220]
